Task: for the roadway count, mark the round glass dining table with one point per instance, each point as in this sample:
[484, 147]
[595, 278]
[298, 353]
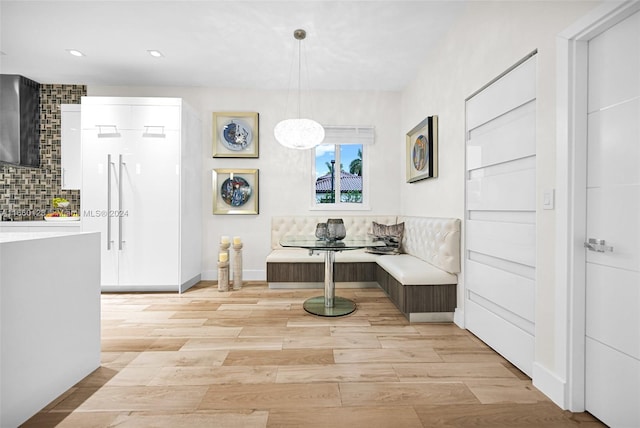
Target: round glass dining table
[329, 305]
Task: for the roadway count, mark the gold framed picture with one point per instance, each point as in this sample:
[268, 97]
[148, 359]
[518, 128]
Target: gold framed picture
[422, 150]
[235, 191]
[235, 135]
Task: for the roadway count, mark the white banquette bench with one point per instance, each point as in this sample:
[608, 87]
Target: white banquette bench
[421, 281]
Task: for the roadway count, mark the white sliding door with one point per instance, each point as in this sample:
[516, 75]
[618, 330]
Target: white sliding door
[612, 354]
[500, 244]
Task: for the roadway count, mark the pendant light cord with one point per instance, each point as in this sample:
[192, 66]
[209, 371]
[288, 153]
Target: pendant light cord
[299, 76]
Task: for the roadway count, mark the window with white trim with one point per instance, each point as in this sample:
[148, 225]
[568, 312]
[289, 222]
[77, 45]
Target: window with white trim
[340, 168]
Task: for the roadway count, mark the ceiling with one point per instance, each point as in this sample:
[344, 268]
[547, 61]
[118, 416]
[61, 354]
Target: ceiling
[359, 45]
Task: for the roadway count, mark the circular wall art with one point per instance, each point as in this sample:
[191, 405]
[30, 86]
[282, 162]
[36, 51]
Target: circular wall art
[235, 191]
[236, 135]
[420, 154]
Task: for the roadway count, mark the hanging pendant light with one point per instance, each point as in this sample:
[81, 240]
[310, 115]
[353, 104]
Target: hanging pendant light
[299, 133]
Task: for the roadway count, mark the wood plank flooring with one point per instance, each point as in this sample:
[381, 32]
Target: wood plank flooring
[255, 358]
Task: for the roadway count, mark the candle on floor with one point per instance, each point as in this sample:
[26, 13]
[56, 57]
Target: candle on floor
[236, 240]
[223, 257]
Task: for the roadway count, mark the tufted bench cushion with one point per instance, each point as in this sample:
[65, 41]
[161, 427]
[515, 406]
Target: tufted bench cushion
[434, 240]
[294, 255]
[409, 270]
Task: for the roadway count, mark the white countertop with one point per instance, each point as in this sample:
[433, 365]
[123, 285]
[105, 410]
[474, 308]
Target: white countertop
[6, 237]
[40, 223]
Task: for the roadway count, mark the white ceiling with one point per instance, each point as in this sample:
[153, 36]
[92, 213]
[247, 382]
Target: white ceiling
[360, 45]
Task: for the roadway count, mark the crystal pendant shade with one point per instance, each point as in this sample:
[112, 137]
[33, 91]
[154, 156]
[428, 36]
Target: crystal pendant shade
[299, 133]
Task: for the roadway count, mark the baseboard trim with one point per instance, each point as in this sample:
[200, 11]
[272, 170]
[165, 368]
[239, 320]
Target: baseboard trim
[458, 317]
[431, 317]
[550, 384]
[139, 289]
[247, 275]
[190, 283]
[181, 288]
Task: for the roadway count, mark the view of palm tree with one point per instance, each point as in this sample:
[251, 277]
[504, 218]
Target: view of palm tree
[355, 167]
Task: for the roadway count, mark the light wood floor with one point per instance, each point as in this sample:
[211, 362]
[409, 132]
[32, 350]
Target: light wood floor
[255, 358]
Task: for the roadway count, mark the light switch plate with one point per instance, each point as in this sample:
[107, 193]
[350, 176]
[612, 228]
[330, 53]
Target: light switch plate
[548, 199]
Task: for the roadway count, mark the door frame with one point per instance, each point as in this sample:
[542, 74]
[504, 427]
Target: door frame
[571, 201]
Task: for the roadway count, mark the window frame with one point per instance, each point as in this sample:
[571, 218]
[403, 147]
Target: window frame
[338, 205]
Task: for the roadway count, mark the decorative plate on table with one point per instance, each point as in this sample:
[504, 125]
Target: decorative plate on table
[235, 191]
[236, 135]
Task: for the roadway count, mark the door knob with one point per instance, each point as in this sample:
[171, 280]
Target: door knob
[597, 245]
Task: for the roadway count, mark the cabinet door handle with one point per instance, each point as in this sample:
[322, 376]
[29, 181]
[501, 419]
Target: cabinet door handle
[597, 245]
[106, 134]
[153, 131]
[120, 211]
[109, 163]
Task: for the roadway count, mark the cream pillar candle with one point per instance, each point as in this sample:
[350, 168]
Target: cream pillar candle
[237, 240]
[224, 239]
[223, 276]
[237, 265]
[224, 249]
[223, 257]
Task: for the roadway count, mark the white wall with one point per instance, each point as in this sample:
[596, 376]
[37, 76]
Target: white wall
[484, 42]
[284, 174]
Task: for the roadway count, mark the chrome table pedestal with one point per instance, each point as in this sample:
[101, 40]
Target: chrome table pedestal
[329, 305]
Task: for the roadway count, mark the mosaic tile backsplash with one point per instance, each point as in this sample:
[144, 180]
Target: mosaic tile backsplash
[26, 193]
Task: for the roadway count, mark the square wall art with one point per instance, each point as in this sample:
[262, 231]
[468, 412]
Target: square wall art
[235, 135]
[235, 191]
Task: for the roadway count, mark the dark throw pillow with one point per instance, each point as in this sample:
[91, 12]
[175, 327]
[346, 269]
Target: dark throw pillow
[390, 234]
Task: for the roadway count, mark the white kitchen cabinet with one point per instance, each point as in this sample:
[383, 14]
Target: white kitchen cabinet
[71, 165]
[141, 189]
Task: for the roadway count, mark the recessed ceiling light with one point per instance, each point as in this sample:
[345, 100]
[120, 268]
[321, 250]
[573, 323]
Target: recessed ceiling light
[75, 52]
[154, 53]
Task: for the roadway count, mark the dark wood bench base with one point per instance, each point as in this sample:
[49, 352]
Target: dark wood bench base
[410, 299]
[415, 302]
[314, 272]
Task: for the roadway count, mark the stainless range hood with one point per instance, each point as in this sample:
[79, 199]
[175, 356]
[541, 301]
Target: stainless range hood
[19, 121]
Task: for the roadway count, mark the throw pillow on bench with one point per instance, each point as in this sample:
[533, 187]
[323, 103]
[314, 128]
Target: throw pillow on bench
[390, 234]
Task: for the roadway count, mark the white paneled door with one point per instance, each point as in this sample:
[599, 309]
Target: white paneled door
[612, 358]
[500, 244]
[98, 187]
[150, 202]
